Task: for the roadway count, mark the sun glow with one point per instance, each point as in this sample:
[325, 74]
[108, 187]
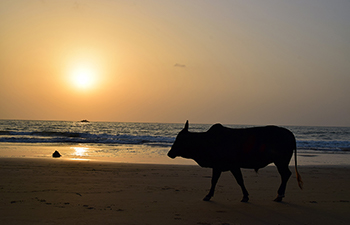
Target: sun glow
[83, 77]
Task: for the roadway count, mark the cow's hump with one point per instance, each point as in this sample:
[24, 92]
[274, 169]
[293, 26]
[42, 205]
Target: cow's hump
[216, 127]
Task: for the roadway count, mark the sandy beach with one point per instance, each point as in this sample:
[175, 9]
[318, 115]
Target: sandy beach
[57, 191]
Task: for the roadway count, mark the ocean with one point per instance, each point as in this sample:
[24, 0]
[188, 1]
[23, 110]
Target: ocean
[117, 139]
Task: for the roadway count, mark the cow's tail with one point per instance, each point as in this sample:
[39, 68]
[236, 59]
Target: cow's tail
[300, 181]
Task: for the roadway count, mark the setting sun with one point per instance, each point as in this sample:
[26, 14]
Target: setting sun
[83, 77]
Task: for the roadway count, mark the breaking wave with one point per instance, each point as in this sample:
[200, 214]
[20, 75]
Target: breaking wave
[73, 137]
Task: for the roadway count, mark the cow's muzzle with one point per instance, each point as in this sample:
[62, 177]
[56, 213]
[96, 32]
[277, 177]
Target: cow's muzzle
[171, 155]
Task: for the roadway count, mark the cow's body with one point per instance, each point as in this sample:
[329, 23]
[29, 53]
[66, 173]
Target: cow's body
[224, 149]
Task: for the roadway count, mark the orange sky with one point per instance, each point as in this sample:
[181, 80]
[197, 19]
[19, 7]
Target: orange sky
[235, 62]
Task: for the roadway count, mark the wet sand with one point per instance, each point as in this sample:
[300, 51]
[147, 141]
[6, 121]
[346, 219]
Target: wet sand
[57, 191]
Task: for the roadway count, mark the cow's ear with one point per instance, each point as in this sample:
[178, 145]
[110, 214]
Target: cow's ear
[186, 126]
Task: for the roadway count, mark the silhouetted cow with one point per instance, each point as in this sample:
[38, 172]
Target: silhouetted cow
[224, 149]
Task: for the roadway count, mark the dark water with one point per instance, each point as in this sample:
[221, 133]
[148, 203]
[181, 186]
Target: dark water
[324, 139]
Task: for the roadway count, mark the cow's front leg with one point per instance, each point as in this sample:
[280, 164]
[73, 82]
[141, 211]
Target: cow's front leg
[214, 180]
[239, 178]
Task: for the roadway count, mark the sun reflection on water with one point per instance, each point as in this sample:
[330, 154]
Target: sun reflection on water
[80, 151]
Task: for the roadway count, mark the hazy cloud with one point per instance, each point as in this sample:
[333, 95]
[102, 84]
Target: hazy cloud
[180, 65]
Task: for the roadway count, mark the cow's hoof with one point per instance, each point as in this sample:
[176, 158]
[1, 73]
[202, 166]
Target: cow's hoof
[206, 198]
[278, 199]
[245, 199]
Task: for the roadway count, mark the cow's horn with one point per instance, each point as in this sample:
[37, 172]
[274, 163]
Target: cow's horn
[186, 125]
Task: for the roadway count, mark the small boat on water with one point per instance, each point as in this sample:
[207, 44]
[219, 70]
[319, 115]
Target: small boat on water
[85, 121]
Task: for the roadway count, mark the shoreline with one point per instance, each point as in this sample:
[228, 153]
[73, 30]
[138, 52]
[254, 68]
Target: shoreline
[51, 191]
[140, 154]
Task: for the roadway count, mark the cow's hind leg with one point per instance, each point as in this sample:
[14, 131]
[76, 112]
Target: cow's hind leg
[239, 178]
[285, 174]
[214, 180]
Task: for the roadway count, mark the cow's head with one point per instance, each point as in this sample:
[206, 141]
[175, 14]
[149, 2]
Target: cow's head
[182, 144]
